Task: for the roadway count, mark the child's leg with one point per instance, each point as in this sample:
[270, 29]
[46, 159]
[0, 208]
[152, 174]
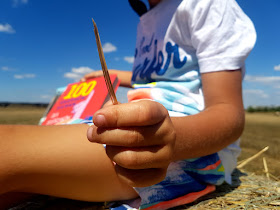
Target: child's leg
[9, 200]
[58, 161]
[185, 182]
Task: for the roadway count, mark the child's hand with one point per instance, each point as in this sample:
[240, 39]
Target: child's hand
[140, 139]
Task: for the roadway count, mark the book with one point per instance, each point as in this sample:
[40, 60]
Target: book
[78, 102]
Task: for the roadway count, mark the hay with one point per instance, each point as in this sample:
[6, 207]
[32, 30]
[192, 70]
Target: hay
[249, 191]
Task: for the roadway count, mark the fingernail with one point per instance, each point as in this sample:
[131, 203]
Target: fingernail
[99, 120]
[89, 133]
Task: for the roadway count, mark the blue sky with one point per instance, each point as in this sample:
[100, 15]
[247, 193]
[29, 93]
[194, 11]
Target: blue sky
[46, 44]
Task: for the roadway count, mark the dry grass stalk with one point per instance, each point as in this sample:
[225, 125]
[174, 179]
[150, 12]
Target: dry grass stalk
[265, 168]
[245, 162]
[274, 177]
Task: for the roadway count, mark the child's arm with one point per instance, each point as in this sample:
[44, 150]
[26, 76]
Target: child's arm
[140, 136]
[123, 76]
[220, 124]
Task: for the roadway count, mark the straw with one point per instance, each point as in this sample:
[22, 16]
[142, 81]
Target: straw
[265, 168]
[104, 66]
[243, 163]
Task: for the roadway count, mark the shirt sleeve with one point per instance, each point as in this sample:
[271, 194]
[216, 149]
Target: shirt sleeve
[221, 33]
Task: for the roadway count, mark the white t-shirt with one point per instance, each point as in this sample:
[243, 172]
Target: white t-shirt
[177, 41]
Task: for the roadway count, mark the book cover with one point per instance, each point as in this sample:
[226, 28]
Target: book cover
[79, 101]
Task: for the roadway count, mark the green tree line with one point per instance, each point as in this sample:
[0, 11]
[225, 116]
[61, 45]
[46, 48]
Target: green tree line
[263, 109]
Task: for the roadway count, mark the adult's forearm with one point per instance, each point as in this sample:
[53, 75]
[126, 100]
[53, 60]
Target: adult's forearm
[207, 132]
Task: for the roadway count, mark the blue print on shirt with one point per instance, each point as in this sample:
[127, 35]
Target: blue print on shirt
[145, 69]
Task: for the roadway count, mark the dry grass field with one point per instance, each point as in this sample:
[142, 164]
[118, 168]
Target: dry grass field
[261, 130]
[17, 114]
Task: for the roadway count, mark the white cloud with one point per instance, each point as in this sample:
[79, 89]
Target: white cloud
[277, 68]
[266, 92]
[71, 75]
[256, 92]
[16, 3]
[82, 70]
[129, 59]
[29, 75]
[108, 47]
[18, 76]
[258, 97]
[7, 28]
[46, 97]
[24, 76]
[77, 73]
[264, 80]
[7, 68]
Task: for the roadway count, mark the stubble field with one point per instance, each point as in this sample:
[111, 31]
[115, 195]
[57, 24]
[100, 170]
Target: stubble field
[261, 130]
[18, 114]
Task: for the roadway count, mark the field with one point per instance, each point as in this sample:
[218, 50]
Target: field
[261, 130]
[17, 114]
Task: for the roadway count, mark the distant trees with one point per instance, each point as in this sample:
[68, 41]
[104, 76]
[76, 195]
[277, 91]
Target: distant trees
[6, 104]
[251, 109]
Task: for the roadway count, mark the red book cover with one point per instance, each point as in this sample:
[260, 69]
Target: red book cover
[80, 101]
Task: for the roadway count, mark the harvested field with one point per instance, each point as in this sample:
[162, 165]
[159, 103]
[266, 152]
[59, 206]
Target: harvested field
[261, 130]
[27, 115]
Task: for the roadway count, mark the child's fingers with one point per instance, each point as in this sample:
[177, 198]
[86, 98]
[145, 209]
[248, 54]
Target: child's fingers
[157, 134]
[141, 113]
[140, 139]
[141, 157]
